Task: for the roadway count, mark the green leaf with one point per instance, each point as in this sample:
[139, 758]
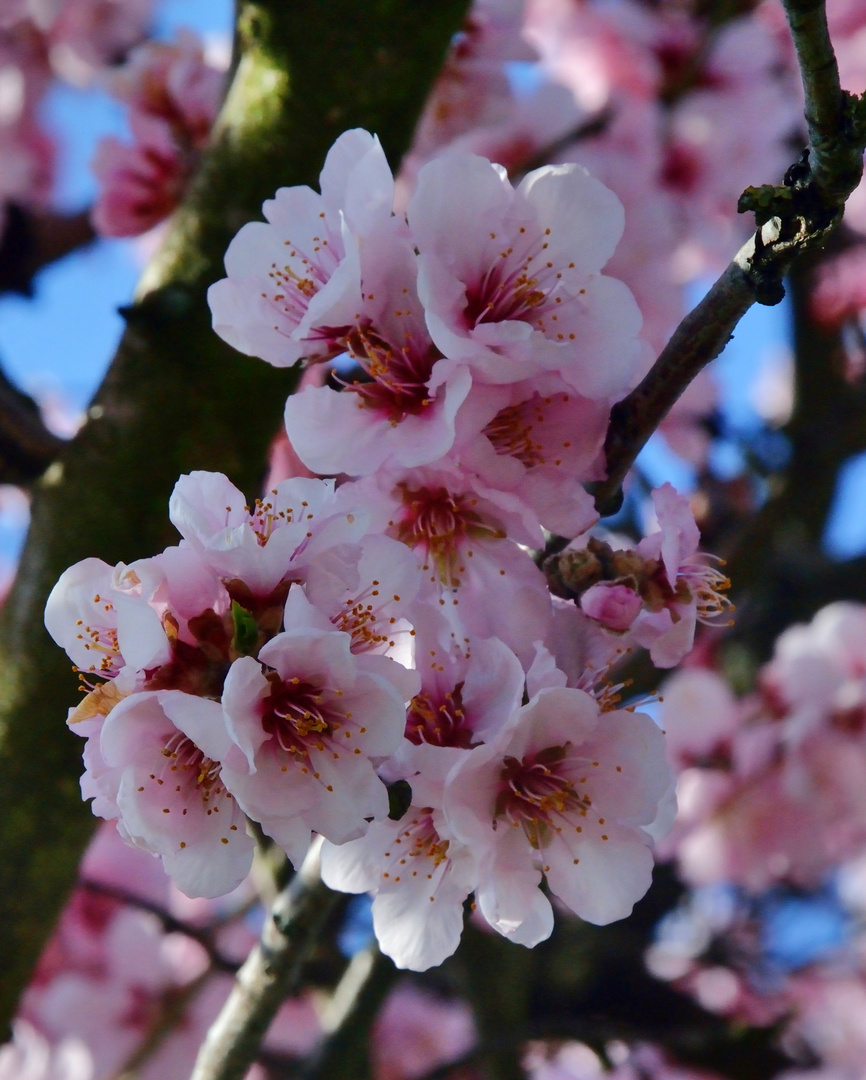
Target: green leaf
[246, 639]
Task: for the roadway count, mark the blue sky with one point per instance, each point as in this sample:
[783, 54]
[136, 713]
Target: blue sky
[65, 336]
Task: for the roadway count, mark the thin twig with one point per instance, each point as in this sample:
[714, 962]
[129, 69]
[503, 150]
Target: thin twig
[170, 924]
[698, 339]
[834, 158]
[268, 976]
[348, 1018]
[170, 1013]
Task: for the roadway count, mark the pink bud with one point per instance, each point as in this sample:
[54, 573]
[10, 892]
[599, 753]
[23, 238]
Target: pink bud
[616, 606]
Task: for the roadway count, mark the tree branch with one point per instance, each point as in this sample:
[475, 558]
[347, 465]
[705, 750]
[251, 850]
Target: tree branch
[793, 218]
[177, 398]
[268, 976]
[698, 339]
[31, 239]
[831, 113]
[27, 447]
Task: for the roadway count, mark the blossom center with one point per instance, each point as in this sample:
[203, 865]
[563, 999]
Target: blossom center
[519, 284]
[398, 372]
[296, 715]
[188, 764]
[425, 840]
[418, 841]
[265, 518]
[442, 724]
[440, 523]
[298, 280]
[535, 793]
[504, 292]
[512, 433]
[362, 619]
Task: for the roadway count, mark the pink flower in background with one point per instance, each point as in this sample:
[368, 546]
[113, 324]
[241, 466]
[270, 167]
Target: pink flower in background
[173, 96]
[840, 293]
[141, 182]
[472, 92]
[30, 1056]
[172, 82]
[85, 36]
[701, 717]
[417, 1031]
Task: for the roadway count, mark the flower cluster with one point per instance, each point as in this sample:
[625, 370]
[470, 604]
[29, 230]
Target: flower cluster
[70, 40]
[380, 661]
[173, 94]
[771, 786]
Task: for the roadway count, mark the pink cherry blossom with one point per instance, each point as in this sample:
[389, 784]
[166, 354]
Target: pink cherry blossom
[566, 792]
[294, 284]
[459, 536]
[419, 873]
[510, 278]
[538, 441]
[304, 731]
[274, 541]
[416, 861]
[465, 696]
[373, 609]
[394, 418]
[141, 182]
[692, 589]
[163, 751]
[102, 628]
